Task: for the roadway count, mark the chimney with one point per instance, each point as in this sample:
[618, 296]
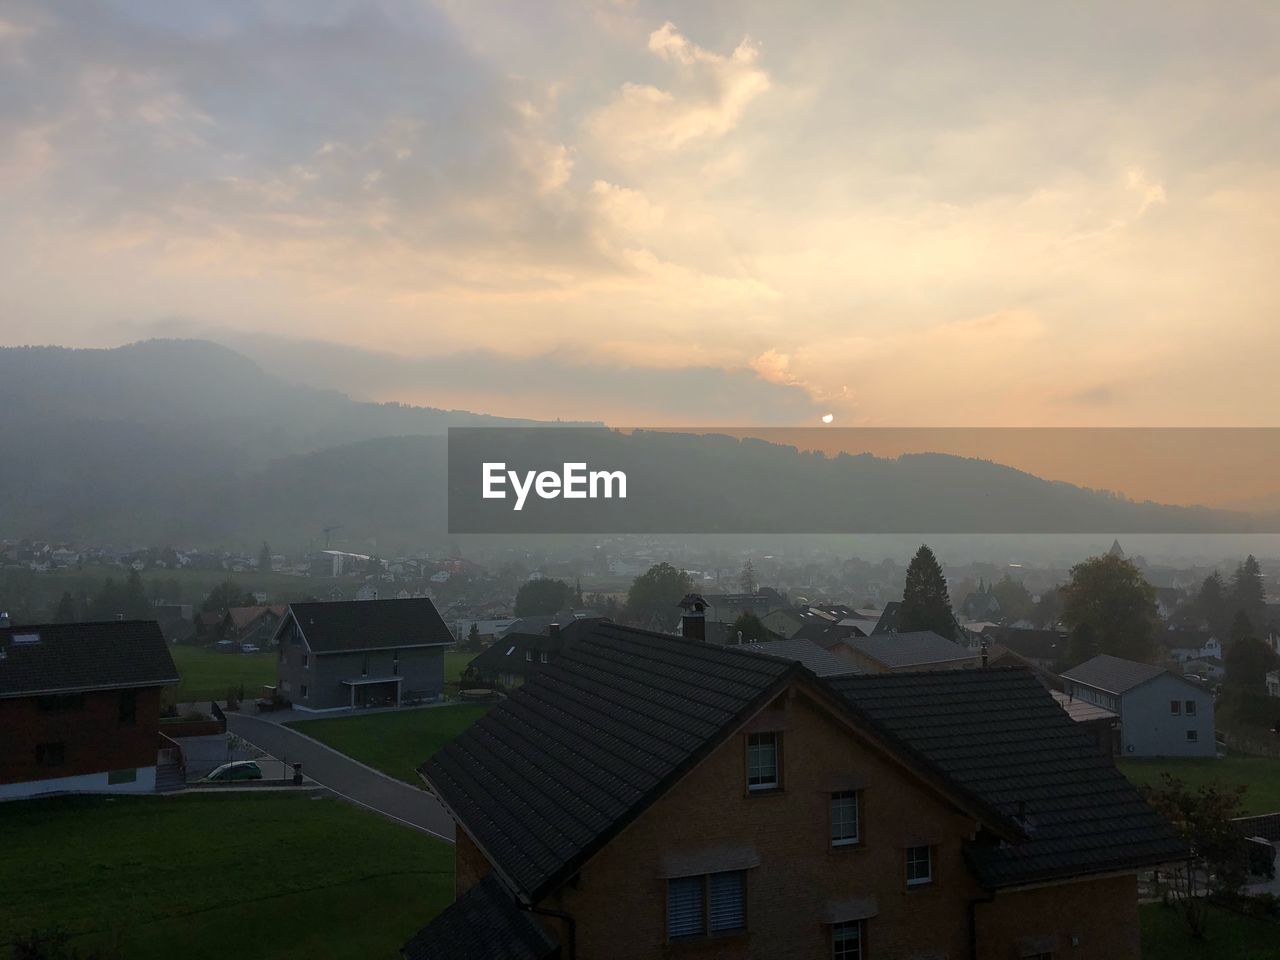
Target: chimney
[4, 619]
[553, 630]
[984, 651]
[693, 624]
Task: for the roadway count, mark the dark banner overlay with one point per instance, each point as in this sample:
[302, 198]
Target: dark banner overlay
[863, 480]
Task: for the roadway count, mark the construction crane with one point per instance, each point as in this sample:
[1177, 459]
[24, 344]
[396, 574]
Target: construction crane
[329, 530]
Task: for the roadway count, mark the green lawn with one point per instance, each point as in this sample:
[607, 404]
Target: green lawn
[395, 743]
[455, 663]
[205, 672]
[1259, 774]
[1229, 936]
[230, 875]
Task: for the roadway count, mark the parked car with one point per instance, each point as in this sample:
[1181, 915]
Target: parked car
[236, 770]
[248, 648]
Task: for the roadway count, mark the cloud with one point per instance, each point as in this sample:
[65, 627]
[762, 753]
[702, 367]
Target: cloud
[709, 96]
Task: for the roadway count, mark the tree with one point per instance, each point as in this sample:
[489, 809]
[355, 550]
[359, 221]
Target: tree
[1014, 599]
[264, 558]
[66, 611]
[1082, 644]
[1110, 595]
[1247, 658]
[542, 597]
[1203, 819]
[1213, 605]
[1248, 596]
[749, 628]
[134, 604]
[657, 592]
[226, 595]
[472, 643]
[747, 580]
[926, 605]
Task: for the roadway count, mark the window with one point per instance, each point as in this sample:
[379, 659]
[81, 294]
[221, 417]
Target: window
[844, 818]
[1193, 736]
[1190, 708]
[303, 690]
[919, 866]
[707, 904]
[528, 656]
[123, 776]
[544, 656]
[762, 761]
[128, 707]
[306, 662]
[1175, 708]
[846, 940]
[50, 754]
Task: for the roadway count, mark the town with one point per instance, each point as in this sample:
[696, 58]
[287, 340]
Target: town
[518, 744]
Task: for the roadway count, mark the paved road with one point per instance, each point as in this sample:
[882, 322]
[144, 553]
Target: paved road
[345, 776]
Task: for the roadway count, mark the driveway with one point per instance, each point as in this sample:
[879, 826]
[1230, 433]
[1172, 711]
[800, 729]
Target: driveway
[346, 777]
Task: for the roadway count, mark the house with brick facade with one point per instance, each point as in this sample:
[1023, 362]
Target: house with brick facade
[80, 708]
[647, 796]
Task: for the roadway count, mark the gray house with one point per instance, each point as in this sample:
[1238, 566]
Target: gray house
[361, 653]
[1161, 713]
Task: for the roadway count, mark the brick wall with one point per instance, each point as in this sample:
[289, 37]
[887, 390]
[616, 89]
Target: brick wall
[94, 740]
[1089, 920]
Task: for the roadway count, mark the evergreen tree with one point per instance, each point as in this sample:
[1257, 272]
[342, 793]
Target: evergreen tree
[66, 611]
[133, 602]
[264, 558]
[1247, 592]
[926, 604]
[1212, 605]
[747, 580]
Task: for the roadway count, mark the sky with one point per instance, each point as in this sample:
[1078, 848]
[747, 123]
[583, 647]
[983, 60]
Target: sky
[898, 213]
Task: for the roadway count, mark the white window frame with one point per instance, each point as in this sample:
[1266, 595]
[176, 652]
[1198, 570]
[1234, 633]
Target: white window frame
[759, 769]
[912, 860]
[837, 798]
[839, 951]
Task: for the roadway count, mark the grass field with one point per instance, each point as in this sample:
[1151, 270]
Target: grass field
[1260, 775]
[454, 664]
[395, 743]
[206, 671]
[234, 875]
[1228, 937]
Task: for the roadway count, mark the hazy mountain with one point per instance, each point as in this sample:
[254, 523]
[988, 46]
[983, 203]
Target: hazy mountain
[186, 442]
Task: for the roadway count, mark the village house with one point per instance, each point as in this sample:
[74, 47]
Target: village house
[361, 653]
[1161, 714]
[648, 796]
[80, 708]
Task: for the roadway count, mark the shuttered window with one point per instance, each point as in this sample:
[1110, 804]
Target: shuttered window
[727, 896]
[684, 907]
[707, 904]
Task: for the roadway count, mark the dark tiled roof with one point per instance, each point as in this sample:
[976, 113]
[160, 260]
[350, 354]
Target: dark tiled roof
[1035, 644]
[917, 649]
[888, 621]
[822, 662]
[84, 656]
[366, 624]
[1112, 674]
[1000, 735]
[548, 776]
[482, 924]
